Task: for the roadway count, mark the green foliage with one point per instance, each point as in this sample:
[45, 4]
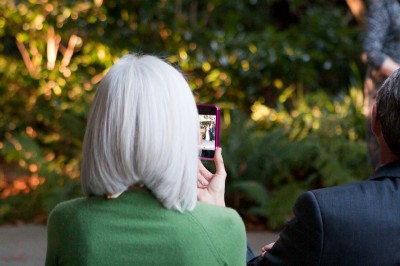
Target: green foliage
[268, 59]
[314, 145]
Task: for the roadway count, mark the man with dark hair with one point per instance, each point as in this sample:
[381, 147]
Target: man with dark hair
[381, 47]
[353, 224]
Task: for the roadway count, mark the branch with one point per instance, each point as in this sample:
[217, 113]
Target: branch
[69, 51]
[25, 56]
[53, 42]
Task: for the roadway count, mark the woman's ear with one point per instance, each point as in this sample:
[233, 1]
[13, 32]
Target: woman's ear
[375, 123]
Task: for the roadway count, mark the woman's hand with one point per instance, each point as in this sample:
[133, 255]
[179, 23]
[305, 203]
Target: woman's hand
[211, 187]
[389, 66]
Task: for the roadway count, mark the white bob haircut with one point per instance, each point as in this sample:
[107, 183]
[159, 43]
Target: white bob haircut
[143, 128]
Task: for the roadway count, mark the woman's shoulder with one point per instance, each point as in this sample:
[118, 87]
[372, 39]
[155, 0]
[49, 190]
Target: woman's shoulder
[224, 230]
[66, 208]
[217, 216]
[201, 207]
[69, 203]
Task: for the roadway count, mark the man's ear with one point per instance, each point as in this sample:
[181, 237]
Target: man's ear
[375, 123]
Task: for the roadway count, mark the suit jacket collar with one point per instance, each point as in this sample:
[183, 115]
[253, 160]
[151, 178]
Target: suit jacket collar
[387, 170]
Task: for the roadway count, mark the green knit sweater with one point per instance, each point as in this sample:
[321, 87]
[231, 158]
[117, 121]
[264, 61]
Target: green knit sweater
[135, 229]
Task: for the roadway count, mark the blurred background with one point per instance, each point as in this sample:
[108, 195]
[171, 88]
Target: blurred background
[287, 75]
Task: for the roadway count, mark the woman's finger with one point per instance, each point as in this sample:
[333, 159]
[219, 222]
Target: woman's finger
[219, 162]
[202, 182]
[204, 171]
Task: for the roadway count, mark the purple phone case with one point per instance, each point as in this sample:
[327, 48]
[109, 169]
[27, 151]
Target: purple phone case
[206, 109]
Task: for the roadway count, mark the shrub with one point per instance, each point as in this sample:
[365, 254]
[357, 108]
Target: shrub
[272, 160]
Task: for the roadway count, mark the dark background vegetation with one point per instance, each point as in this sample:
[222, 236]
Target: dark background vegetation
[287, 75]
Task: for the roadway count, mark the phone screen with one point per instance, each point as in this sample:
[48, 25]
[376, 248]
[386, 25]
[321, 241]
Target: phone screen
[209, 130]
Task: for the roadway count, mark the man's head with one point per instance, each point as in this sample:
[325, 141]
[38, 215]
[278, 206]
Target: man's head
[388, 111]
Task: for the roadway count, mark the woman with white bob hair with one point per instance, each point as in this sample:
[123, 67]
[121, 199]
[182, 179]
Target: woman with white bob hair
[142, 180]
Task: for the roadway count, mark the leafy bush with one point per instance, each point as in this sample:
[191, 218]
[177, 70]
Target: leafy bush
[272, 160]
[237, 54]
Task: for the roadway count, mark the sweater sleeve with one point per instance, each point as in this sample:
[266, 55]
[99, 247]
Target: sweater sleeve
[301, 241]
[231, 239]
[226, 234]
[378, 23]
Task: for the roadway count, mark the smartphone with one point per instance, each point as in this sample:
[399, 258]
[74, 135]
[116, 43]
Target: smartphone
[209, 130]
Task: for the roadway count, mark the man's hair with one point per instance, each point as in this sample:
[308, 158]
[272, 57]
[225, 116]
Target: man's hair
[388, 108]
[143, 129]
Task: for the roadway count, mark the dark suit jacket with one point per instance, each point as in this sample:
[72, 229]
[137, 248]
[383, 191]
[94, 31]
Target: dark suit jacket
[354, 224]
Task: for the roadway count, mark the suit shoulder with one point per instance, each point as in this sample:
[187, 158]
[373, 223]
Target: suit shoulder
[341, 189]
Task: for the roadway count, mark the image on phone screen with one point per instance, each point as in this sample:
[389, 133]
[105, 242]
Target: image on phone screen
[209, 130]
